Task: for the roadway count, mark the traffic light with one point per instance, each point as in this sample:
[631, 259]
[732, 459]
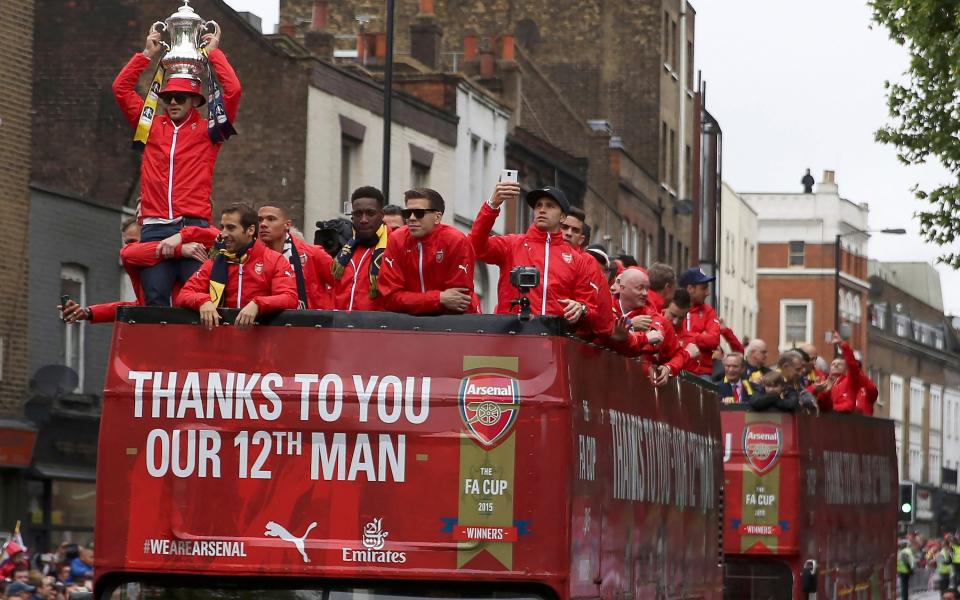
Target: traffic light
[908, 502]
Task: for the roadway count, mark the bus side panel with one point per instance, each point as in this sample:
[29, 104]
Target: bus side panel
[645, 502]
[852, 531]
[308, 452]
[762, 520]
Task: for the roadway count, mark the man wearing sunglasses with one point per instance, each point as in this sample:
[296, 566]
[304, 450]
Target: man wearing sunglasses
[565, 286]
[176, 172]
[428, 266]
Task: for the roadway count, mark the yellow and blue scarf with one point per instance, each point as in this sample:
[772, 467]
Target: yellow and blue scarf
[219, 272]
[346, 253]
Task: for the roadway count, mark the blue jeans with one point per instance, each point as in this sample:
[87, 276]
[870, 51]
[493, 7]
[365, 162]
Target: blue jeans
[159, 280]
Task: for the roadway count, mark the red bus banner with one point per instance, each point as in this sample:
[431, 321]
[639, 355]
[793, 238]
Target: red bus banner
[403, 455]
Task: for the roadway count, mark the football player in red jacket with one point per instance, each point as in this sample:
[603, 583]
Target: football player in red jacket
[311, 264]
[701, 325]
[428, 266]
[566, 287]
[176, 172]
[243, 274]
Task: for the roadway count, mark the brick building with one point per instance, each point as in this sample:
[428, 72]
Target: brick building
[914, 362]
[795, 266]
[608, 85]
[16, 65]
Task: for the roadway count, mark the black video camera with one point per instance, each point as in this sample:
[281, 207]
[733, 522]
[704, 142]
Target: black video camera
[524, 279]
[332, 235]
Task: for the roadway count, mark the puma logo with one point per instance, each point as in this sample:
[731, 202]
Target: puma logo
[464, 267]
[277, 530]
[389, 261]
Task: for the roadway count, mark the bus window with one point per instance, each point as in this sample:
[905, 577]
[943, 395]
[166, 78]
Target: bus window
[757, 580]
[221, 589]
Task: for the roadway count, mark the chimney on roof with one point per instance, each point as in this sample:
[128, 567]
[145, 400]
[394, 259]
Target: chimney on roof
[829, 183]
[426, 36]
[487, 58]
[318, 39]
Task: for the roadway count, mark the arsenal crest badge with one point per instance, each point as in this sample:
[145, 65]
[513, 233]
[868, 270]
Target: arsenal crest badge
[258, 268]
[489, 404]
[762, 443]
[567, 257]
[439, 255]
[303, 258]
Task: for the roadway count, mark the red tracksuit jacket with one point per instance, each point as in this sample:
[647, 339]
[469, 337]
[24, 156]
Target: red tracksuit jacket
[140, 255]
[317, 277]
[564, 272]
[846, 389]
[176, 175]
[265, 278]
[702, 328]
[667, 352]
[352, 291]
[415, 271]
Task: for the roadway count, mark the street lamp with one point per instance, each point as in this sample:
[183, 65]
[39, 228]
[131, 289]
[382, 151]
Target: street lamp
[836, 267]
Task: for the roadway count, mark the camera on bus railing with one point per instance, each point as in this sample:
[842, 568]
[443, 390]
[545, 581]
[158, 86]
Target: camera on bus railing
[524, 278]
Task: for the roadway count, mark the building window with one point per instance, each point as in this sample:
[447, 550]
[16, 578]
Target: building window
[916, 456]
[419, 175]
[73, 283]
[674, 163]
[902, 323]
[936, 399]
[664, 156]
[896, 398]
[938, 340]
[349, 151]
[795, 258]
[878, 315]
[916, 402]
[796, 322]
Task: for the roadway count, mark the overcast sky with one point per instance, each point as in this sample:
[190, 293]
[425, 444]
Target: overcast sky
[800, 84]
[797, 85]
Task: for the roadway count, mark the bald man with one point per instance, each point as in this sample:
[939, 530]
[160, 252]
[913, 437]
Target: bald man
[642, 331]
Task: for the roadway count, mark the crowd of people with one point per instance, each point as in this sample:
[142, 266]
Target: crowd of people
[936, 561]
[48, 576]
[406, 260]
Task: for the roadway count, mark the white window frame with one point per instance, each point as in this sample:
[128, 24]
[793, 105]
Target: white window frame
[917, 400]
[896, 398]
[784, 303]
[901, 325]
[77, 275]
[936, 404]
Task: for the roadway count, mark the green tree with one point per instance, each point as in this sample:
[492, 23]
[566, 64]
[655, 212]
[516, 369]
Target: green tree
[926, 108]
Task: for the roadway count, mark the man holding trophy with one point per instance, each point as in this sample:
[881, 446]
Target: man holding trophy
[179, 149]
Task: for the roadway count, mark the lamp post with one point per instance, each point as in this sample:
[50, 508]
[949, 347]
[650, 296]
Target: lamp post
[836, 266]
[387, 101]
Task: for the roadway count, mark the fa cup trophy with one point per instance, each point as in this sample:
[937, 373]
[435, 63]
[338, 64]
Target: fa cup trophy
[183, 59]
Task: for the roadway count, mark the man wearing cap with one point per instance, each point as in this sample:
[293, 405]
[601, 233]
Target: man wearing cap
[20, 590]
[701, 326]
[566, 287]
[428, 266]
[176, 173]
